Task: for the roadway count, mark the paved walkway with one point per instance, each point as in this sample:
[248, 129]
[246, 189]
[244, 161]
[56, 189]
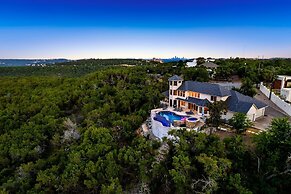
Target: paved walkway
[272, 111]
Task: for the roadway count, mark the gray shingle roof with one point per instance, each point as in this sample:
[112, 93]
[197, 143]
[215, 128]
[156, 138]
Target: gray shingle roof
[204, 88]
[166, 93]
[197, 101]
[209, 65]
[175, 78]
[241, 103]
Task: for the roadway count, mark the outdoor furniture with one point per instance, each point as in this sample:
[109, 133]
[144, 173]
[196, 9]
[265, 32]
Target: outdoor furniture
[190, 113]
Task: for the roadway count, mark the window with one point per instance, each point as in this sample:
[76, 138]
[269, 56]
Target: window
[171, 92]
[181, 93]
[175, 83]
[194, 94]
[213, 98]
[182, 103]
[175, 92]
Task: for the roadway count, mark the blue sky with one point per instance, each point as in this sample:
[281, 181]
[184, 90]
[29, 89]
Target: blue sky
[144, 29]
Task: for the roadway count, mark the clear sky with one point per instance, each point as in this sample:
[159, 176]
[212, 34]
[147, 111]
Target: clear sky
[77, 29]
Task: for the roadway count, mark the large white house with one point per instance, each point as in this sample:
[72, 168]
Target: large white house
[196, 96]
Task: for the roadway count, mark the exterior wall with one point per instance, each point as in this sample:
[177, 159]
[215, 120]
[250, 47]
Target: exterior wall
[251, 114]
[277, 84]
[158, 129]
[279, 102]
[172, 87]
[286, 93]
[284, 79]
[228, 115]
[224, 98]
[260, 112]
[205, 96]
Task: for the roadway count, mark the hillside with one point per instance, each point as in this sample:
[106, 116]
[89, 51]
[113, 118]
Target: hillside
[71, 128]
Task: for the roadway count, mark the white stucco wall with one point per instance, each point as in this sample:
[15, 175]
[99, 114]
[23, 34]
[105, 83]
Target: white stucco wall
[228, 115]
[157, 127]
[260, 112]
[251, 114]
[286, 93]
[224, 98]
[205, 96]
[172, 87]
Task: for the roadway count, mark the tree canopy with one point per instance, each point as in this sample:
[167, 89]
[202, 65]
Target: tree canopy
[75, 131]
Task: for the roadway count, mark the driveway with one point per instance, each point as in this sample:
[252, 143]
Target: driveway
[272, 111]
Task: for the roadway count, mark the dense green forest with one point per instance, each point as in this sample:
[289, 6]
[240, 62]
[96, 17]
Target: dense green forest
[72, 128]
[256, 70]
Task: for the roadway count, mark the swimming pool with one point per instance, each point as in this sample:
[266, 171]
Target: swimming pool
[171, 116]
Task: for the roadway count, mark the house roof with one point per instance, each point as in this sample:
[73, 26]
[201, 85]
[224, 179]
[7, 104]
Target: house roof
[205, 88]
[166, 93]
[238, 102]
[197, 101]
[209, 65]
[175, 78]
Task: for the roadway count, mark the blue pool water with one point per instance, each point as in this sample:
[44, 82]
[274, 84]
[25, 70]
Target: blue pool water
[192, 119]
[170, 116]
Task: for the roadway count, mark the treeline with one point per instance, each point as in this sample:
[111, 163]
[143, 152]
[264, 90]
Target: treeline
[68, 69]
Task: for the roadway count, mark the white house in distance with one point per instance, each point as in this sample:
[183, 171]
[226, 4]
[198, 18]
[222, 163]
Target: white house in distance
[192, 63]
[283, 84]
[196, 96]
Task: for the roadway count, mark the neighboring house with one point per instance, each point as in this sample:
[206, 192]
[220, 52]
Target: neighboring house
[283, 85]
[196, 96]
[192, 64]
[209, 65]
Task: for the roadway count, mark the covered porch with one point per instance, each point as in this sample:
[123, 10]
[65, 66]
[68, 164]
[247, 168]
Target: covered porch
[195, 105]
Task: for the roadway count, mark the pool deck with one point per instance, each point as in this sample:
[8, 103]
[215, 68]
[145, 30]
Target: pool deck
[180, 113]
[159, 129]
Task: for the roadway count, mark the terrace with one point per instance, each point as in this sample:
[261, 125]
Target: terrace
[165, 119]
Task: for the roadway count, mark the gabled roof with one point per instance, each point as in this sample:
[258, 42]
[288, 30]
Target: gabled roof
[238, 102]
[209, 65]
[197, 101]
[175, 78]
[204, 88]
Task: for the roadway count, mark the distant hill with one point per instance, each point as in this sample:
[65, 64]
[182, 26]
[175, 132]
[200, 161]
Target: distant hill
[30, 62]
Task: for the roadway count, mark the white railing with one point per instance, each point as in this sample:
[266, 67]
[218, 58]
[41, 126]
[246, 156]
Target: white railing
[286, 107]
